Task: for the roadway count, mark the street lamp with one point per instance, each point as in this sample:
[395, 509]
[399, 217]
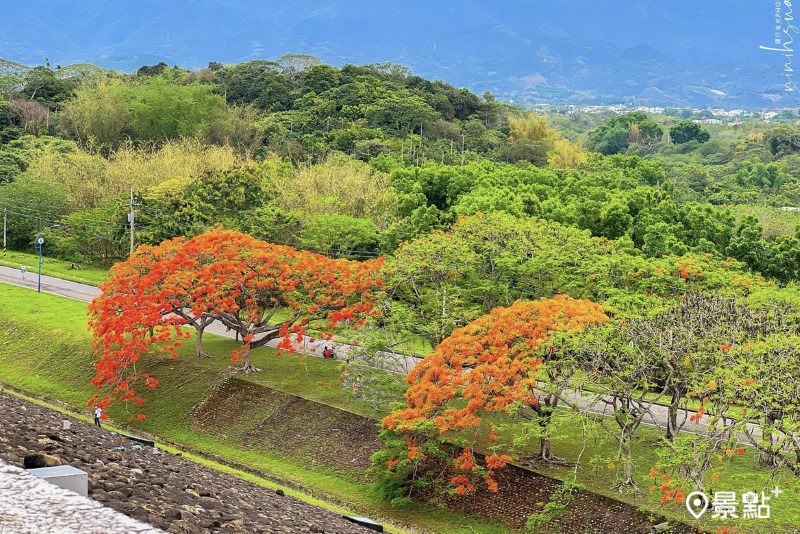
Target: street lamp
[38, 246]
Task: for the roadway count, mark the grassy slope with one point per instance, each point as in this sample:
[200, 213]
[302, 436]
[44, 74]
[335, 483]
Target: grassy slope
[187, 381]
[44, 349]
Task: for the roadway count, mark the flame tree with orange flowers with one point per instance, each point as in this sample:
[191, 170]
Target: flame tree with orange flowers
[260, 290]
[491, 365]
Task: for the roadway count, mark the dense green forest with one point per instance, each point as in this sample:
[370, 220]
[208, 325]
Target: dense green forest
[354, 161]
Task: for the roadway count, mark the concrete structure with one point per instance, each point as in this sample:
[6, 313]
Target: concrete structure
[65, 477]
[364, 522]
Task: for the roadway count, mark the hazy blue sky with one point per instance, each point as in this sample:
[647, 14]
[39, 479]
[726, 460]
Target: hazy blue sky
[235, 30]
[478, 44]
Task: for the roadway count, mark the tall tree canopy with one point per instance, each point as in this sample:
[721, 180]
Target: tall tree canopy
[260, 290]
[685, 131]
[490, 365]
[617, 134]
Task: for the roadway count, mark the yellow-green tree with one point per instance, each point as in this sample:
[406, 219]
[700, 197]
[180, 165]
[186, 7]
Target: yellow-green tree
[566, 154]
[97, 113]
[532, 127]
[340, 185]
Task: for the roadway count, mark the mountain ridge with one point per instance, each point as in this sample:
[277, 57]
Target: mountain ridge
[527, 51]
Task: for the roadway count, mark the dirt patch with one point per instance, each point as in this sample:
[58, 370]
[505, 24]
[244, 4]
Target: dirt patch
[312, 433]
[522, 493]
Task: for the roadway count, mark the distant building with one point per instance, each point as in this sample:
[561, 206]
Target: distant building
[707, 120]
[648, 109]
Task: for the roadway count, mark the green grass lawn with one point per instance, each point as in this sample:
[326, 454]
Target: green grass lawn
[52, 267]
[44, 349]
[600, 470]
[775, 221]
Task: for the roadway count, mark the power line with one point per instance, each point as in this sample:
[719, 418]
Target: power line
[35, 214]
[99, 230]
[27, 216]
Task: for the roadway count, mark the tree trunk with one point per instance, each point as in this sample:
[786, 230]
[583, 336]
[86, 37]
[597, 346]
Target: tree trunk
[545, 420]
[198, 342]
[696, 473]
[672, 417]
[767, 457]
[544, 411]
[627, 462]
[246, 366]
[544, 450]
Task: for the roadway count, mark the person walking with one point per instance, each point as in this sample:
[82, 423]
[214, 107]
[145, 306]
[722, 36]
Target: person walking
[98, 413]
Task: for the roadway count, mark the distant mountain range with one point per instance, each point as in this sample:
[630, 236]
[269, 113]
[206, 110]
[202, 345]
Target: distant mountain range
[671, 53]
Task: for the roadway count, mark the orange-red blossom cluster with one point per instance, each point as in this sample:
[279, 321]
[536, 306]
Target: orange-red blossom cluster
[221, 274]
[489, 365]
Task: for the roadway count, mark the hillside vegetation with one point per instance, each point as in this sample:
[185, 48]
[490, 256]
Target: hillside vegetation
[296, 425]
[354, 161]
[498, 229]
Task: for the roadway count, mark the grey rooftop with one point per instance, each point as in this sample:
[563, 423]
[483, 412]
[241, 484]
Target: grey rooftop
[31, 505]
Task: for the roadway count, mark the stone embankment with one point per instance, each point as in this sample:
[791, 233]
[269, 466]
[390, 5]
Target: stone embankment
[31, 505]
[161, 489]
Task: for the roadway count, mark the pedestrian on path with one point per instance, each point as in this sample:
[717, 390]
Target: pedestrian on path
[98, 413]
[357, 385]
[23, 270]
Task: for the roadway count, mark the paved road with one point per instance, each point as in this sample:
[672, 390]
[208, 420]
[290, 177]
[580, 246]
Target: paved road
[399, 364]
[54, 286]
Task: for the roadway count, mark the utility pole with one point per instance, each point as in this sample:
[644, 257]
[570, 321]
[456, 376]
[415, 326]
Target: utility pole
[420, 141]
[5, 226]
[133, 225]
